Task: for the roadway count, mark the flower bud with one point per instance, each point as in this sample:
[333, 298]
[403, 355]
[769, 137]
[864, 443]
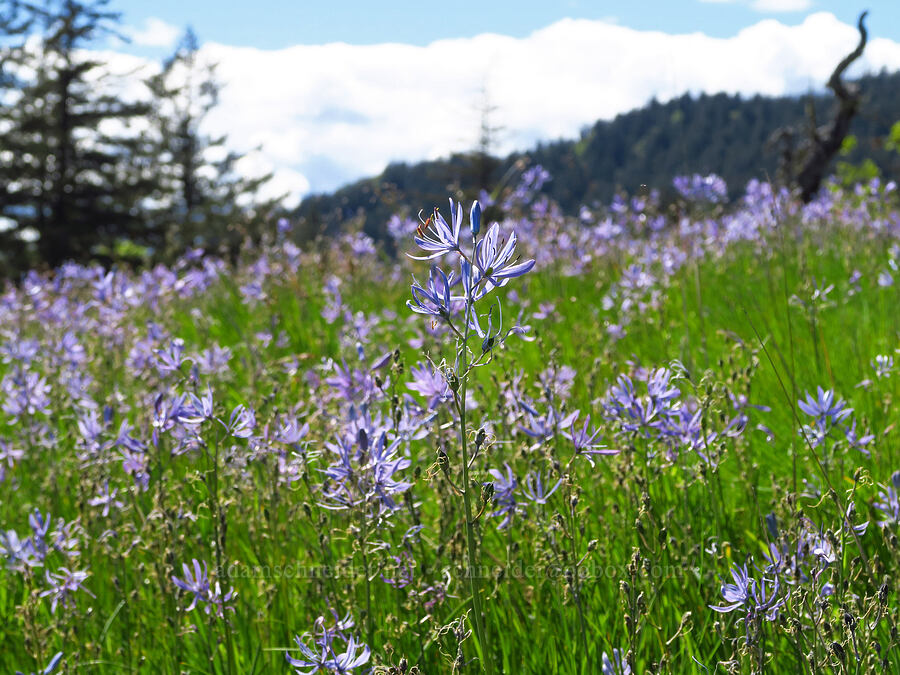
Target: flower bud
[475, 218]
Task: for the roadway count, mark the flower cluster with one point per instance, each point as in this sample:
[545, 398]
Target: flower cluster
[326, 655]
[699, 188]
[196, 581]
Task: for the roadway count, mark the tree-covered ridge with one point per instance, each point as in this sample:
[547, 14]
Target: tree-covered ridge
[724, 134]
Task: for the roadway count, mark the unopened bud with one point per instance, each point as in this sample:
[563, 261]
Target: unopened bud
[475, 218]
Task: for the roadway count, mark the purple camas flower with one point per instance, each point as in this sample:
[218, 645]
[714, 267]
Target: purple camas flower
[360, 244]
[32, 551]
[20, 351]
[197, 409]
[889, 505]
[855, 441]
[883, 365]
[364, 473]
[401, 570]
[63, 583]
[534, 488]
[801, 561]
[431, 384]
[242, 422]
[166, 411]
[493, 261]
[738, 593]
[324, 656]
[170, 360]
[699, 188]
[530, 183]
[354, 385]
[583, 439]
[197, 581]
[134, 463]
[557, 381]
[213, 361]
[18, 554]
[505, 504]
[437, 237]
[659, 388]
[490, 265]
[25, 393]
[615, 665]
[433, 299]
[824, 408]
[624, 403]
[8, 458]
[106, 499]
[759, 599]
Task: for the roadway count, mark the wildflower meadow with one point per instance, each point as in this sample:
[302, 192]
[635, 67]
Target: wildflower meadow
[656, 436]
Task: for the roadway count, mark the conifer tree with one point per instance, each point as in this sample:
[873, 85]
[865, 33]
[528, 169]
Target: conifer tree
[203, 199]
[66, 139]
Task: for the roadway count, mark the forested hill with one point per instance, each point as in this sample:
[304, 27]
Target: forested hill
[727, 135]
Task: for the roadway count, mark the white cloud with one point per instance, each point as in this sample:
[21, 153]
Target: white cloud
[323, 115]
[781, 5]
[155, 33]
[327, 114]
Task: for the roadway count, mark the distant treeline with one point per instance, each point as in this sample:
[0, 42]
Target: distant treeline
[88, 175]
[728, 135]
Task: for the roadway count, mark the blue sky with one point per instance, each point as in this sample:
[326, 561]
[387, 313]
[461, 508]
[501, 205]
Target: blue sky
[331, 92]
[273, 24]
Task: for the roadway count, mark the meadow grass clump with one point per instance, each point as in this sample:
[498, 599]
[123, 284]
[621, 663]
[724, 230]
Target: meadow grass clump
[660, 439]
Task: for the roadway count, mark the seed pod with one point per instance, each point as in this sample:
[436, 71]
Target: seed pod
[480, 437]
[838, 650]
[444, 463]
[641, 604]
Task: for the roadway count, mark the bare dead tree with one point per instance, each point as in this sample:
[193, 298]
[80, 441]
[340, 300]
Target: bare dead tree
[824, 142]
